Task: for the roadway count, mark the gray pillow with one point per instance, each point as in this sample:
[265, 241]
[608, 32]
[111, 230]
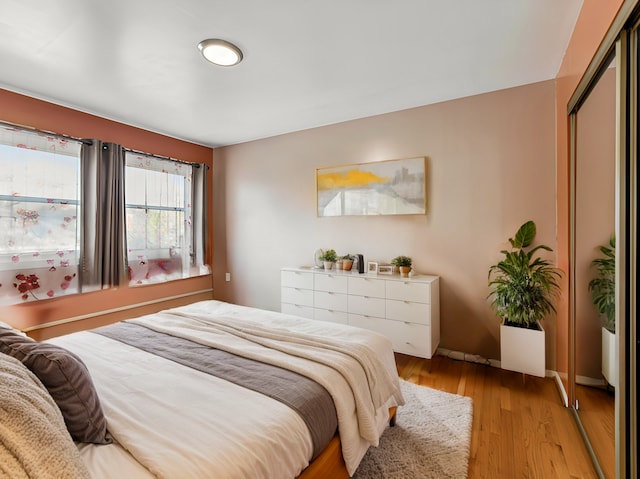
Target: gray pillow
[68, 381]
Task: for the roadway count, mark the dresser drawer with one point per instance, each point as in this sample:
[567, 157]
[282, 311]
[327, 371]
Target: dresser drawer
[413, 339]
[366, 306]
[301, 297]
[333, 301]
[331, 316]
[330, 282]
[408, 311]
[297, 310]
[367, 287]
[367, 322]
[409, 291]
[296, 279]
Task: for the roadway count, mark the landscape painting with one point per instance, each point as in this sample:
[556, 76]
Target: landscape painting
[393, 187]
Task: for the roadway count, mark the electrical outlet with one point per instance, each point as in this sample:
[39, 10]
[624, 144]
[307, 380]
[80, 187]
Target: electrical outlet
[227, 276]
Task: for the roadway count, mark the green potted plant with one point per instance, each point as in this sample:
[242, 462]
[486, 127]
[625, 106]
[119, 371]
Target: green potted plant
[603, 296]
[523, 288]
[603, 286]
[403, 263]
[329, 257]
[347, 261]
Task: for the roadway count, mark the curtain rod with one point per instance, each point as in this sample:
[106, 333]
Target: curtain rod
[89, 142]
[37, 130]
[196, 165]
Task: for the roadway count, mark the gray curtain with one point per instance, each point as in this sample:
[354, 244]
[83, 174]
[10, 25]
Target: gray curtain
[103, 241]
[200, 215]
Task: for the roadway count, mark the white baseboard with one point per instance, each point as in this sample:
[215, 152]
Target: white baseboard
[115, 310]
[471, 358]
[560, 386]
[593, 382]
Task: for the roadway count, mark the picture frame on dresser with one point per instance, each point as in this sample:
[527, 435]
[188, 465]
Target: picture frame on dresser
[385, 269]
[372, 267]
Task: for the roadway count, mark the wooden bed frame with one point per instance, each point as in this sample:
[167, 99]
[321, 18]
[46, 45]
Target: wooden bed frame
[330, 462]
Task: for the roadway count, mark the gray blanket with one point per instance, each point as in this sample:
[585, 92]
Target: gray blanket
[308, 398]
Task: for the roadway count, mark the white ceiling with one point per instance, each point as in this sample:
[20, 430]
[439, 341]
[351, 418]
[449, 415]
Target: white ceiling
[306, 63]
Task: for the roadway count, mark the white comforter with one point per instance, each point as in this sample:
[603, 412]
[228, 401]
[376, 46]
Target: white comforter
[223, 430]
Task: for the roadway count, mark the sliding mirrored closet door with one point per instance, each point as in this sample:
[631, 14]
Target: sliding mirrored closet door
[604, 141]
[594, 283]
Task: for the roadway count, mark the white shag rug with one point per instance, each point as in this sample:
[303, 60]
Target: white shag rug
[431, 438]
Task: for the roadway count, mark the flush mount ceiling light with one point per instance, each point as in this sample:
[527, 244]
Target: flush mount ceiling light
[220, 52]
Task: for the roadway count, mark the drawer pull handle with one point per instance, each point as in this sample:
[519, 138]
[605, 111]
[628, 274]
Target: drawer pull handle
[407, 342]
[406, 282]
[407, 302]
[407, 323]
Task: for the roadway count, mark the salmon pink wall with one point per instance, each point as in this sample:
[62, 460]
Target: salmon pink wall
[490, 168]
[26, 111]
[593, 23]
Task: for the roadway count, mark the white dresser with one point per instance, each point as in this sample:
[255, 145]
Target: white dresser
[406, 310]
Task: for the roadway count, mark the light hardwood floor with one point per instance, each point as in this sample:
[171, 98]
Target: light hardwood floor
[520, 427]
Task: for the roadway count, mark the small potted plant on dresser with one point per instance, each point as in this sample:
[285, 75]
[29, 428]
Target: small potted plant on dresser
[403, 263]
[603, 295]
[329, 258]
[347, 262]
[523, 288]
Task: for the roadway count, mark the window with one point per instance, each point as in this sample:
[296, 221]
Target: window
[39, 211]
[158, 207]
[62, 204]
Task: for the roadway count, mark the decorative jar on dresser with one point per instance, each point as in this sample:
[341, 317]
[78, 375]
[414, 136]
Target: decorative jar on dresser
[406, 310]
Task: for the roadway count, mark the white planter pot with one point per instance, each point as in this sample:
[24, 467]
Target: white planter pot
[609, 357]
[522, 350]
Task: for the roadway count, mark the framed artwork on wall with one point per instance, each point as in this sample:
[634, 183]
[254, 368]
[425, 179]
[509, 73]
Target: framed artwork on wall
[392, 187]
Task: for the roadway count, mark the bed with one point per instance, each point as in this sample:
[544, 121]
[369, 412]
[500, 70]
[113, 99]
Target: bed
[211, 389]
